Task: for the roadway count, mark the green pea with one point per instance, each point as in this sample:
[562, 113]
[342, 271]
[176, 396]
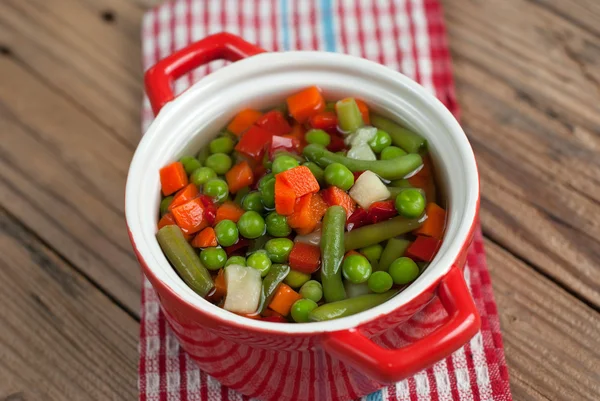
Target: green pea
[283, 163]
[391, 152]
[296, 279]
[380, 141]
[277, 225]
[380, 282]
[226, 232]
[253, 201]
[318, 136]
[223, 144]
[301, 308]
[202, 175]
[316, 171]
[356, 269]
[373, 252]
[220, 162]
[339, 175]
[266, 187]
[190, 164]
[164, 205]
[216, 188]
[260, 261]
[410, 203]
[403, 270]
[236, 260]
[203, 154]
[312, 290]
[279, 249]
[213, 258]
[251, 225]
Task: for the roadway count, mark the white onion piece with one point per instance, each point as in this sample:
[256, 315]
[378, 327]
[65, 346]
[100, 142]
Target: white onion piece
[355, 290]
[361, 136]
[368, 189]
[313, 238]
[243, 289]
[361, 152]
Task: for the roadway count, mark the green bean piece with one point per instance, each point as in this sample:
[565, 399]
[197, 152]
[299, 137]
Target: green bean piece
[316, 171]
[393, 169]
[402, 137]
[374, 233]
[330, 106]
[394, 249]
[332, 253]
[347, 307]
[395, 191]
[184, 260]
[403, 183]
[348, 114]
[164, 205]
[274, 277]
[258, 244]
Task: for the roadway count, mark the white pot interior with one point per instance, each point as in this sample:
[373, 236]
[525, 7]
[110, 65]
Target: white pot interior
[183, 126]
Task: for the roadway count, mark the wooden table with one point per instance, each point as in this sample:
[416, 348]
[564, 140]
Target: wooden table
[528, 77]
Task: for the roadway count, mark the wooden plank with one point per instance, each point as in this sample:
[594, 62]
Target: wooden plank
[551, 338]
[64, 177]
[527, 81]
[93, 64]
[61, 338]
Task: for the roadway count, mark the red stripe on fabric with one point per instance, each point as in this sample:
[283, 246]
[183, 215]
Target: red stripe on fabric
[433, 394]
[188, 28]
[256, 22]
[224, 393]
[274, 25]
[183, 383]
[203, 386]
[156, 35]
[377, 18]
[361, 33]
[452, 378]
[342, 22]
[412, 385]
[472, 373]
[142, 359]
[413, 44]
[206, 23]
[162, 356]
[296, 25]
[314, 23]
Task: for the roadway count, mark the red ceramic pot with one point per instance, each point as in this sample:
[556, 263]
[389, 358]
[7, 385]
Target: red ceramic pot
[336, 360]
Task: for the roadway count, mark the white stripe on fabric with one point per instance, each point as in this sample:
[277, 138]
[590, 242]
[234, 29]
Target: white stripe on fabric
[461, 372]
[193, 379]
[367, 16]
[164, 32]
[214, 388]
[442, 381]
[180, 40]
[422, 386]
[407, 66]
[248, 31]
[481, 368]
[388, 41]
[403, 391]
[351, 24]
[264, 19]
[422, 44]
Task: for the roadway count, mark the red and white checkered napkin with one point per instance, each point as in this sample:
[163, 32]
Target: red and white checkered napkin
[406, 35]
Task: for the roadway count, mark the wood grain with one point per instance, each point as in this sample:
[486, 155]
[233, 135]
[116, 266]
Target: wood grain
[552, 340]
[528, 83]
[61, 338]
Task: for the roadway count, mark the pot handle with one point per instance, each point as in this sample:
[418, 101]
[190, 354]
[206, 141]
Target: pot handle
[390, 366]
[159, 78]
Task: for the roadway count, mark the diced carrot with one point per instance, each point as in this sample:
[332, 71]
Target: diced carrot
[220, 287]
[336, 196]
[172, 178]
[271, 313]
[252, 316]
[326, 120]
[166, 220]
[243, 120]
[318, 206]
[229, 211]
[364, 111]
[305, 257]
[283, 299]
[433, 226]
[301, 180]
[205, 238]
[274, 122]
[303, 217]
[253, 142]
[239, 176]
[187, 193]
[423, 248]
[305, 104]
[190, 216]
[285, 198]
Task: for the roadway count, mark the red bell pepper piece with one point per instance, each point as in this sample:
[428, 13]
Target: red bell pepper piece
[359, 218]
[253, 142]
[336, 144]
[238, 246]
[337, 196]
[357, 174]
[380, 211]
[305, 258]
[326, 120]
[423, 248]
[287, 143]
[274, 122]
[210, 210]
